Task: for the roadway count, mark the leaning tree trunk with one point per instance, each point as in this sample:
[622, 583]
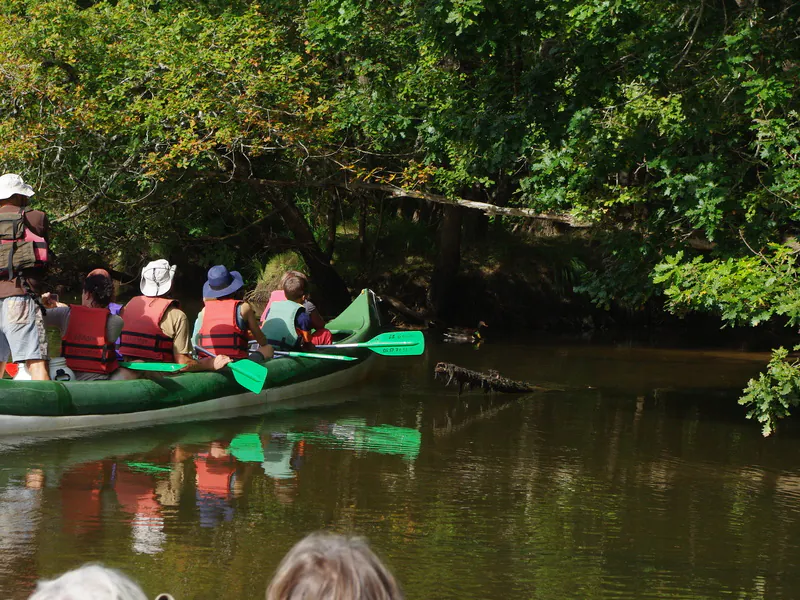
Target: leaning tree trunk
[445, 270]
[334, 295]
[332, 221]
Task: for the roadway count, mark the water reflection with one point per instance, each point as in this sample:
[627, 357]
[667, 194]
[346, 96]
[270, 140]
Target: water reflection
[653, 487]
[134, 495]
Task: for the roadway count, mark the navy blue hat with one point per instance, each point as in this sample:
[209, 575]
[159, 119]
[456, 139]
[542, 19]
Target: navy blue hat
[221, 282]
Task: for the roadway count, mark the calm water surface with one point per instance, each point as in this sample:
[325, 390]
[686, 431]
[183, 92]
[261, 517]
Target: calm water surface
[639, 478]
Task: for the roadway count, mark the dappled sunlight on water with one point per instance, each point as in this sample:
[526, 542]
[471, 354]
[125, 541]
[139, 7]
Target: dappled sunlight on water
[641, 479]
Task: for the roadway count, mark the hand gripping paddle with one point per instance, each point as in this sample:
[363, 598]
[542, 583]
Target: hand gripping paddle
[247, 373]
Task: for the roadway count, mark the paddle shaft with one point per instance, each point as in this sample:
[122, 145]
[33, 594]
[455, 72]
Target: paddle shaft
[368, 345]
[313, 355]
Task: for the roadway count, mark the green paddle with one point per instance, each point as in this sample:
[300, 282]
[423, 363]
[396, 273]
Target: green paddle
[314, 355]
[393, 343]
[155, 366]
[248, 374]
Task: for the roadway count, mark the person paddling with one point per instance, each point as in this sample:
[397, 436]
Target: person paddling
[156, 329]
[225, 320]
[88, 330]
[24, 258]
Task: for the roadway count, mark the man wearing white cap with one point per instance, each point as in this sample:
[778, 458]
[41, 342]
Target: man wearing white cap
[24, 256]
[156, 329]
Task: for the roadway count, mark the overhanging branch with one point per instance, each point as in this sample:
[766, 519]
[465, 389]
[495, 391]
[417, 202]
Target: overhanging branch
[489, 209]
[99, 194]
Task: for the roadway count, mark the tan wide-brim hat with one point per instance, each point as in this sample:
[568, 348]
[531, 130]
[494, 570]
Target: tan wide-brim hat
[11, 184]
[157, 278]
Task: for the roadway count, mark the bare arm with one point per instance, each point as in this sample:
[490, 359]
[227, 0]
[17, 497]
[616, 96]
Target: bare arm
[204, 364]
[249, 315]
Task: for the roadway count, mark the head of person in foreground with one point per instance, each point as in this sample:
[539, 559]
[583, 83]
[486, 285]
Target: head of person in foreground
[89, 582]
[324, 566]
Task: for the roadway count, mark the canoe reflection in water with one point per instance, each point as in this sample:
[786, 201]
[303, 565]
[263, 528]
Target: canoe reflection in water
[152, 487]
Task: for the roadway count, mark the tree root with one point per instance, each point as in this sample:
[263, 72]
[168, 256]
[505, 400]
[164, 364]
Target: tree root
[488, 382]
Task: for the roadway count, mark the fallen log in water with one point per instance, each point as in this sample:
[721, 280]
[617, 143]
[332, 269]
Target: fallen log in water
[491, 381]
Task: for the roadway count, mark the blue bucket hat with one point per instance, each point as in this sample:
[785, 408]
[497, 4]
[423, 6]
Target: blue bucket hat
[221, 282]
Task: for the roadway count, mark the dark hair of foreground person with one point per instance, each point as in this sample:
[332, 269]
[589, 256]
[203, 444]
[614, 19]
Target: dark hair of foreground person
[324, 566]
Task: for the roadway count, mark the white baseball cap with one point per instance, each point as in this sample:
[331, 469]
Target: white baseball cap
[11, 184]
[157, 278]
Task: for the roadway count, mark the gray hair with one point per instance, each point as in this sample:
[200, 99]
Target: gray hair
[324, 566]
[89, 582]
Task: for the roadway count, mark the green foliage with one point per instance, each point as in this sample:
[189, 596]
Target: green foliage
[743, 291]
[770, 397]
[270, 273]
[669, 125]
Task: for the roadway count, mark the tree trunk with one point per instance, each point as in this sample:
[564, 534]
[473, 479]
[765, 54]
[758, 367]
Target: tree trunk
[362, 229]
[334, 295]
[441, 290]
[333, 214]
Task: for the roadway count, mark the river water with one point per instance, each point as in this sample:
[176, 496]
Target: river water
[634, 476]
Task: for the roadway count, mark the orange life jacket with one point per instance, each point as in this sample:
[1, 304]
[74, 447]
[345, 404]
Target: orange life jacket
[20, 247]
[141, 335]
[84, 344]
[220, 332]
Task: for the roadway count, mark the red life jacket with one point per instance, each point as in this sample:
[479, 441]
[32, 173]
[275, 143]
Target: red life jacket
[20, 247]
[141, 335]
[84, 344]
[220, 332]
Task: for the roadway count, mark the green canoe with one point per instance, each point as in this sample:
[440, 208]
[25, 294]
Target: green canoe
[39, 406]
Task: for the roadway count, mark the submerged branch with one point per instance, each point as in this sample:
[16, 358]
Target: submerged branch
[488, 382]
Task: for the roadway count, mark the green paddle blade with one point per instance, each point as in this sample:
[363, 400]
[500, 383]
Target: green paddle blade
[314, 355]
[393, 343]
[154, 366]
[248, 374]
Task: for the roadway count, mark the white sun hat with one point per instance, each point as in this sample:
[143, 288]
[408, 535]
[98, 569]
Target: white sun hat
[157, 278]
[11, 184]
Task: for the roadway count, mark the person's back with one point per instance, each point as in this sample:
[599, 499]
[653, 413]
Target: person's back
[144, 336]
[226, 320]
[289, 322]
[88, 330]
[279, 295]
[324, 566]
[24, 257]
[156, 329]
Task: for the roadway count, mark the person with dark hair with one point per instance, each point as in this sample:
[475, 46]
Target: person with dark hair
[317, 321]
[24, 259]
[288, 324]
[88, 330]
[325, 566]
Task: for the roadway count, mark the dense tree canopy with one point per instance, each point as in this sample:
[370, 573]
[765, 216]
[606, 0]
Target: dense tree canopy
[671, 127]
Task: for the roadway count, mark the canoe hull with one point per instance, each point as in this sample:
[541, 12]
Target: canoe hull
[228, 406]
[38, 406]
